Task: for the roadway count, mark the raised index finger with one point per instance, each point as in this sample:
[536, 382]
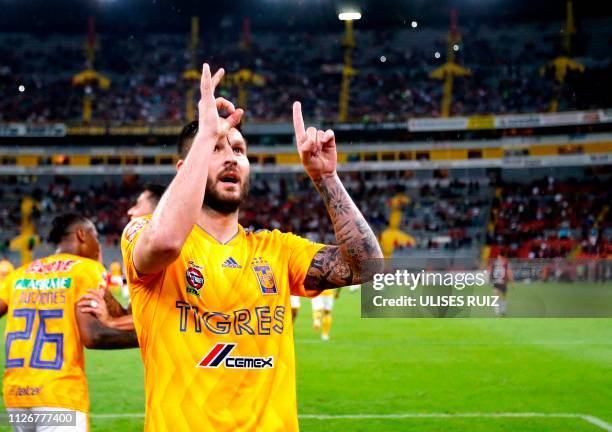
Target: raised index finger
[298, 121]
[206, 84]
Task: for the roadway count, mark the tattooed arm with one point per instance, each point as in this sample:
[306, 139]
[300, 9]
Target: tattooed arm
[357, 255]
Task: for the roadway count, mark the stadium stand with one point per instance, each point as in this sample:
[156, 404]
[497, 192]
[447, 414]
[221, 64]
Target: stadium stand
[551, 218]
[505, 62]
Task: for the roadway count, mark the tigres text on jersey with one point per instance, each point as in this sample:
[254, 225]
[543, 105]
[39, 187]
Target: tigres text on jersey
[215, 330]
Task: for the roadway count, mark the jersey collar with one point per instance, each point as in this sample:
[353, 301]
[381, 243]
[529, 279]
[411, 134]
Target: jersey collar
[232, 241]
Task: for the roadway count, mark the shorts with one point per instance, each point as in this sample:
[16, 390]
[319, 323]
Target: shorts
[82, 422]
[323, 302]
[501, 286]
[295, 302]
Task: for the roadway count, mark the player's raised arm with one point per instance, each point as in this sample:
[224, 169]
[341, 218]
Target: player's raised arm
[357, 255]
[161, 241]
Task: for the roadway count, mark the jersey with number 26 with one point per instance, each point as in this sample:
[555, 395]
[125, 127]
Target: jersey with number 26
[44, 354]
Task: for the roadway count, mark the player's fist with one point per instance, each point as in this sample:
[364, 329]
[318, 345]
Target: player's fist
[317, 148]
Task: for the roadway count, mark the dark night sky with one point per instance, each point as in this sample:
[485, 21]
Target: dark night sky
[173, 15]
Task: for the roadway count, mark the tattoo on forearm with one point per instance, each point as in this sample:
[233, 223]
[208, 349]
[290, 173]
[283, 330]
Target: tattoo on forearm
[349, 262]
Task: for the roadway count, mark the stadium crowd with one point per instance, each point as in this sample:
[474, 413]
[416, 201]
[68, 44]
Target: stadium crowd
[549, 218]
[392, 80]
[438, 208]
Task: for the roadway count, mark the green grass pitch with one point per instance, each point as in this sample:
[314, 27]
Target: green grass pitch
[416, 366]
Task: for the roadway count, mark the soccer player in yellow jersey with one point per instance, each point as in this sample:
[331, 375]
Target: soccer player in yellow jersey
[45, 334]
[211, 300]
[322, 306]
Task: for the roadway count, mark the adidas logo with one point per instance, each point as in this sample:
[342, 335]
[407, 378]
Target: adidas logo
[230, 263]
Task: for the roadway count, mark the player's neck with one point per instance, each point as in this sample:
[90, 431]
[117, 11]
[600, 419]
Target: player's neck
[223, 227]
[67, 248]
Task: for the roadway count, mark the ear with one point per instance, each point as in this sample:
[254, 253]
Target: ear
[179, 164]
[80, 234]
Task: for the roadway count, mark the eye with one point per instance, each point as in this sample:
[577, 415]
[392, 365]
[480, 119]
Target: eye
[238, 150]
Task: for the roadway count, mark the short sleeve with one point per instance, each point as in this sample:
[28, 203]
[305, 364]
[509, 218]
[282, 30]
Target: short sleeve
[130, 236]
[5, 289]
[91, 276]
[301, 253]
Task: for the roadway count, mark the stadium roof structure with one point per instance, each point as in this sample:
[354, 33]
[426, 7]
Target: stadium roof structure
[172, 15]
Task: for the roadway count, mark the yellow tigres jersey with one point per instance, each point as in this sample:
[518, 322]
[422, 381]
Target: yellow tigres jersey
[44, 354]
[215, 331]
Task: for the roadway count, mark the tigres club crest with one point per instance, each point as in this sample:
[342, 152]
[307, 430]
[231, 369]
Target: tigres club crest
[194, 278]
[265, 276]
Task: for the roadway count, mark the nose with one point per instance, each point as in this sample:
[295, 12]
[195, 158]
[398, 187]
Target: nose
[229, 156]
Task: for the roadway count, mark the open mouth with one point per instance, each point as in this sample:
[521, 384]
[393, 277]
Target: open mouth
[229, 178]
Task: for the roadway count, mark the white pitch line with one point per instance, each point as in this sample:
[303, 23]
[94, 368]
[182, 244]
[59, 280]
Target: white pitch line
[598, 422]
[587, 418]
[439, 415]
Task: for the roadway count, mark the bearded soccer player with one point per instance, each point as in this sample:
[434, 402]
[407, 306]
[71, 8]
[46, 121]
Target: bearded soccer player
[45, 333]
[211, 300]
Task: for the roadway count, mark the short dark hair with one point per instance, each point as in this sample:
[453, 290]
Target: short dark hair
[155, 191]
[188, 134]
[60, 226]
[186, 138]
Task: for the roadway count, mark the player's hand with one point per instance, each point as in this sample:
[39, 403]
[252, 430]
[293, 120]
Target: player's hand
[317, 148]
[211, 126]
[94, 303]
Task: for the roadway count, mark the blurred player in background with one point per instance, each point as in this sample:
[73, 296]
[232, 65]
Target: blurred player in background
[295, 307]
[98, 302]
[146, 201]
[211, 300]
[5, 268]
[322, 306]
[114, 278]
[501, 274]
[45, 333]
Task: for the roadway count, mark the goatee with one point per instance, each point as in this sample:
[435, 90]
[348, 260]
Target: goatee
[214, 201]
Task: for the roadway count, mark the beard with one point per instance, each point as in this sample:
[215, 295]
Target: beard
[226, 206]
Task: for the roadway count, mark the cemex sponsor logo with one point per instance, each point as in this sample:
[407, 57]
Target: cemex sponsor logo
[219, 356]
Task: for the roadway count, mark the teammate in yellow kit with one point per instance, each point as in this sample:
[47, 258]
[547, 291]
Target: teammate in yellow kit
[45, 334]
[322, 306]
[211, 300]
